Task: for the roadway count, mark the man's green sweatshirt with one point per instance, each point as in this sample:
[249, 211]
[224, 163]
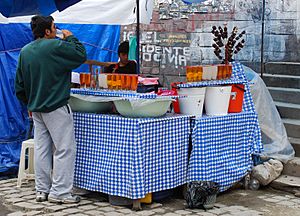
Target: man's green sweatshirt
[44, 69]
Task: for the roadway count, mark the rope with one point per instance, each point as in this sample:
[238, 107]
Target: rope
[86, 43]
[12, 50]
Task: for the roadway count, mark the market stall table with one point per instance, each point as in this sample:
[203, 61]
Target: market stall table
[222, 148]
[223, 145]
[130, 157]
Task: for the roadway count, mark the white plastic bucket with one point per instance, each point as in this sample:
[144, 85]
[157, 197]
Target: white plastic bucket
[217, 100]
[192, 104]
[191, 91]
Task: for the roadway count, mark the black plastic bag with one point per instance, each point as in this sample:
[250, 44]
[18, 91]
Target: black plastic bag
[202, 194]
[147, 88]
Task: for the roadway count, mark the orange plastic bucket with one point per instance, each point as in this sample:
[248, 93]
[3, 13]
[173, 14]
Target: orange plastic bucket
[147, 199]
[236, 98]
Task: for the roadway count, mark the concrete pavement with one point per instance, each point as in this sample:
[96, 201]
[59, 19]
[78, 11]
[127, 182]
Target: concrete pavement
[21, 202]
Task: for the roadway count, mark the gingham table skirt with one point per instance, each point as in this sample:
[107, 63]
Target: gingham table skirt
[222, 148]
[130, 157]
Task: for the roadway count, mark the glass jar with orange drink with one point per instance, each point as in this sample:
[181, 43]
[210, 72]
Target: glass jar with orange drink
[128, 82]
[109, 81]
[195, 75]
[123, 81]
[228, 69]
[87, 80]
[199, 73]
[118, 82]
[134, 82]
[113, 81]
[189, 74]
[82, 80]
[220, 72]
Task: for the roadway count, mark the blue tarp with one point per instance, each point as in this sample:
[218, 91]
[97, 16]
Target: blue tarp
[63, 4]
[101, 42]
[12, 8]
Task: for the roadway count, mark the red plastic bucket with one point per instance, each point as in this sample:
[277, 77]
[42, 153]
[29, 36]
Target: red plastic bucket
[175, 103]
[236, 98]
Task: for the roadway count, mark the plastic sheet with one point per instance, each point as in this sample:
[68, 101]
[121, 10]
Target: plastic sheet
[274, 137]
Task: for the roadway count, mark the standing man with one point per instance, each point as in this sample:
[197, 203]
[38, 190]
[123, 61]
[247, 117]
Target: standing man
[124, 66]
[43, 81]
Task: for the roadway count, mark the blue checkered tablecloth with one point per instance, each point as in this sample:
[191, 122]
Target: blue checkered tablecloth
[111, 93]
[211, 83]
[223, 145]
[130, 157]
[222, 148]
[239, 73]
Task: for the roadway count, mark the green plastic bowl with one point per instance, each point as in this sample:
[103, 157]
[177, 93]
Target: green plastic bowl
[78, 105]
[155, 109]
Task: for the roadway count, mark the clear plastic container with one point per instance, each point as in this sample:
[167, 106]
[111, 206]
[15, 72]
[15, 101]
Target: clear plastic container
[254, 184]
[59, 34]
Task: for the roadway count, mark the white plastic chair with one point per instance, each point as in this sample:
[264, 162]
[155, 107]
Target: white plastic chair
[29, 172]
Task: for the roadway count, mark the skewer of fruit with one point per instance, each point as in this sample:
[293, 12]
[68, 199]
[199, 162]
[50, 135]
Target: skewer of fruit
[231, 45]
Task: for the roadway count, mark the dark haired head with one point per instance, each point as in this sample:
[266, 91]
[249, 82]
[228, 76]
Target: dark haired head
[39, 24]
[123, 47]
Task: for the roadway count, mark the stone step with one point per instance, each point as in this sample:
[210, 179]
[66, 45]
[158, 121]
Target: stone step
[292, 167]
[287, 68]
[296, 145]
[288, 95]
[287, 183]
[292, 127]
[288, 110]
[285, 81]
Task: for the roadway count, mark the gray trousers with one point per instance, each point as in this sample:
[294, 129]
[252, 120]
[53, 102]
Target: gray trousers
[55, 151]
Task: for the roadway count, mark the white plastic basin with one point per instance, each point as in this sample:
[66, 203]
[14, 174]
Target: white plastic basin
[78, 105]
[154, 108]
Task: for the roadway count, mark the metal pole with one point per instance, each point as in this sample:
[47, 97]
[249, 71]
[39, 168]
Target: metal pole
[262, 68]
[138, 36]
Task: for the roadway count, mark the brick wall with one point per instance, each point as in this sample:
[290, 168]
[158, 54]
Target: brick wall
[168, 44]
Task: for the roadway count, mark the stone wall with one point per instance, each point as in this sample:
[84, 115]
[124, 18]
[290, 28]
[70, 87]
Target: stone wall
[180, 35]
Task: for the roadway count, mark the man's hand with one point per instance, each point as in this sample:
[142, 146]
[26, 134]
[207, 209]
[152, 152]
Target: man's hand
[66, 33]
